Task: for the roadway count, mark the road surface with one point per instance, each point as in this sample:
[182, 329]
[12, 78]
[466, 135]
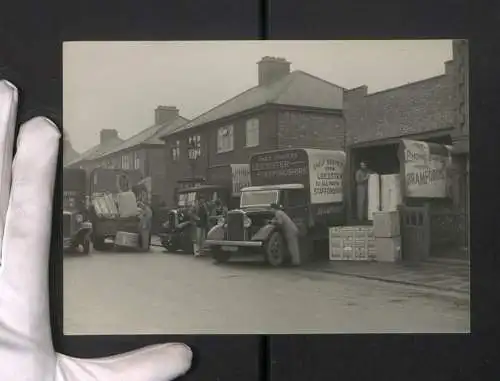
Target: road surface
[166, 293]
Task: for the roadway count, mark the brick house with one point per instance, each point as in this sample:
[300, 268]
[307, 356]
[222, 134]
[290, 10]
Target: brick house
[143, 152]
[285, 109]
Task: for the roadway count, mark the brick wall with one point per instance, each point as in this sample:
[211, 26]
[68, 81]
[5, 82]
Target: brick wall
[279, 127]
[155, 167]
[419, 107]
[310, 130]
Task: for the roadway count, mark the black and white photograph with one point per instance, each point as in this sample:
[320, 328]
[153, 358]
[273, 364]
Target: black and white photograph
[266, 187]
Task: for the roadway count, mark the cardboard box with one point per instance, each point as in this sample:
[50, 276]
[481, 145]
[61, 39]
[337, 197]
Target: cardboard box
[352, 243]
[388, 249]
[390, 192]
[386, 224]
[127, 204]
[373, 195]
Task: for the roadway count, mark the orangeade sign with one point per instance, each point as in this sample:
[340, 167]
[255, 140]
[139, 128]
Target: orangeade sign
[425, 167]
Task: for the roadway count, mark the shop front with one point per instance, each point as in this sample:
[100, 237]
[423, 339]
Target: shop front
[430, 192]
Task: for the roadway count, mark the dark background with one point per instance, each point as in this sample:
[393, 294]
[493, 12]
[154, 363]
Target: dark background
[31, 36]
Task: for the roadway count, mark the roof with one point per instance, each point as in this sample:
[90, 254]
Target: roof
[96, 151]
[296, 89]
[273, 187]
[148, 136]
[417, 107]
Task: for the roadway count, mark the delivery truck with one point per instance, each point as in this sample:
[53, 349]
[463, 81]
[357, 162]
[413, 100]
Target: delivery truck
[306, 183]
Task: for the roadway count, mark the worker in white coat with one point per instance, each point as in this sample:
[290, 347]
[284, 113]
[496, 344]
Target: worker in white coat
[290, 231]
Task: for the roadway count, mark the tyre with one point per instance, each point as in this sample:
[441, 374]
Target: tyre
[275, 250]
[220, 256]
[99, 243]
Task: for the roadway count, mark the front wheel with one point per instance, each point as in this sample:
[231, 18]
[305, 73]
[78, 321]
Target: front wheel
[275, 250]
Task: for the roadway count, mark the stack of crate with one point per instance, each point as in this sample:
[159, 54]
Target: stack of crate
[387, 234]
[352, 243]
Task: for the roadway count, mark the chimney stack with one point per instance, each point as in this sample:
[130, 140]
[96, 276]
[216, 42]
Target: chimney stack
[164, 114]
[108, 135]
[272, 69]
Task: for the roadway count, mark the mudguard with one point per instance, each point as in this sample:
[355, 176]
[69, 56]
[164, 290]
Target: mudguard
[216, 233]
[265, 232]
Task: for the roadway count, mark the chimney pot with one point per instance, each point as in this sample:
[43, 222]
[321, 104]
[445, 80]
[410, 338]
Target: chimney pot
[272, 69]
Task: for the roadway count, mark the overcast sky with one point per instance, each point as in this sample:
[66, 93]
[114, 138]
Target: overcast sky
[119, 84]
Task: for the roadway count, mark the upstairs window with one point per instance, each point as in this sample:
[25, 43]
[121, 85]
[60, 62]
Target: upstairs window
[176, 151]
[194, 146]
[137, 161]
[125, 162]
[225, 139]
[252, 132]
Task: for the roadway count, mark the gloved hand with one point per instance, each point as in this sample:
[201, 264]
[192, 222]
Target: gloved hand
[26, 351]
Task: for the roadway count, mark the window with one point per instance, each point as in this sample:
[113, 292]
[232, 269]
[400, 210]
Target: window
[225, 139]
[194, 144]
[125, 162]
[252, 132]
[176, 150]
[137, 161]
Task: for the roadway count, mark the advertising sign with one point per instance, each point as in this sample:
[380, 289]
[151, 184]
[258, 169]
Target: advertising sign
[425, 169]
[280, 167]
[326, 171]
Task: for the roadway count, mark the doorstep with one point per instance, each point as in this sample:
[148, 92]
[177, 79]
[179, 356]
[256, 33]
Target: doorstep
[433, 275]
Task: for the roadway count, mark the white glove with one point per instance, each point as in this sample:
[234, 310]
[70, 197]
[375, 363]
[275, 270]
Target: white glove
[26, 351]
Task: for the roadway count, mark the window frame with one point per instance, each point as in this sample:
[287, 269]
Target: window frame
[137, 161]
[196, 140]
[125, 160]
[221, 148]
[252, 126]
[175, 150]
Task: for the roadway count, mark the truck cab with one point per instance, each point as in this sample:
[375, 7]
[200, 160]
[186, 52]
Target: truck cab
[176, 233]
[314, 201]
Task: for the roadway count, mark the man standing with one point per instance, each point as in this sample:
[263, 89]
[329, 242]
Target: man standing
[202, 215]
[290, 231]
[362, 175]
[145, 224]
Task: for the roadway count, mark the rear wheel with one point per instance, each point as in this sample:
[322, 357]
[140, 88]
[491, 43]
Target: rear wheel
[99, 243]
[275, 250]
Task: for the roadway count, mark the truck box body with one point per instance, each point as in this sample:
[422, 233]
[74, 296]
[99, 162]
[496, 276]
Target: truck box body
[320, 171]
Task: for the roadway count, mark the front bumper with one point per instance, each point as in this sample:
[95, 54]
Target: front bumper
[233, 243]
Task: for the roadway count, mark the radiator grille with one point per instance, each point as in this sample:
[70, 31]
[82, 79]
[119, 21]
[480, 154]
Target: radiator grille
[235, 228]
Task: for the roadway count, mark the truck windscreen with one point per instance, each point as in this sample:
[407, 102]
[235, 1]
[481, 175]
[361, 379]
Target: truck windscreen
[259, 198]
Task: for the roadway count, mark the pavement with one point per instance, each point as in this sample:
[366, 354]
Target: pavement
[442, 275]
[172, 293]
